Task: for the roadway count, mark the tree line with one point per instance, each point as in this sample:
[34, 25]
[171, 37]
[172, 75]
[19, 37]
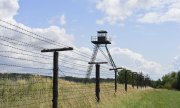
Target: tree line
[168, 81]
[133, 78]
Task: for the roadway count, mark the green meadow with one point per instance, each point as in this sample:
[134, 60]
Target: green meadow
[36, 92]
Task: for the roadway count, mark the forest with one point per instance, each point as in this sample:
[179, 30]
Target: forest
[168, 81]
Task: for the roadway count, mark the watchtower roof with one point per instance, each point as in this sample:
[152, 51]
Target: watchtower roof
[102, 31]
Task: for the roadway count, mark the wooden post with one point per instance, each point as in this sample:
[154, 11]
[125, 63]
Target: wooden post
[115, 80]
[97, 87]
[135, 77]
[55, 80]
[55, 72]
[132, 80]
[145, 81]
[141, 81]
[137, 81]
[126, 80]
[97, 82]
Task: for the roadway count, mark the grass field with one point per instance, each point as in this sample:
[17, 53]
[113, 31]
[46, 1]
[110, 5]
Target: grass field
[147, 99]
[36, 92]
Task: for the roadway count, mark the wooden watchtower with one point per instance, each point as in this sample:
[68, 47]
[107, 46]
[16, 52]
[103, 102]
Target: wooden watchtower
[100, 40]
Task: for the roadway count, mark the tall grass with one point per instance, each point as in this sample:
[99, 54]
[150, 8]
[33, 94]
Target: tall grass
[36, 92]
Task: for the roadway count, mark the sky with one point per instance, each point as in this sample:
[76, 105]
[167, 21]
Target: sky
[145, 33]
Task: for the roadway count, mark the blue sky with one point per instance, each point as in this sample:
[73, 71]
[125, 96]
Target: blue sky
[148, 28]
[157, 42]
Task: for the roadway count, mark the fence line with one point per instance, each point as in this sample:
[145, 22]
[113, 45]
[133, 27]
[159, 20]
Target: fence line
[26, 74]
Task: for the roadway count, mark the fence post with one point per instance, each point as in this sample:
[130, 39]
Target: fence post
[55, 73]
[115, 82]
[145, 82]
[141, 82]
[126, 80]
[132, 79]
[137, 81]
[134, 76]
[55, 80]
[97, 82]
[97, 89]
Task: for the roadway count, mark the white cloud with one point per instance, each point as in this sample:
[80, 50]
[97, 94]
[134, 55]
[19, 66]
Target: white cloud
[8, 8]
[172, 15]
[100, 22]
[175, 66]
[114, 10]
[53, 33]
[150, 18]
[135, 61]
[62, 20]
[58, 20]
[151, 11]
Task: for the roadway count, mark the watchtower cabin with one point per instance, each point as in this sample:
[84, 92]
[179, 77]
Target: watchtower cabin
[101, 38]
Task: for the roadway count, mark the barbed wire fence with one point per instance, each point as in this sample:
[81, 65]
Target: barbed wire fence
[26, 73]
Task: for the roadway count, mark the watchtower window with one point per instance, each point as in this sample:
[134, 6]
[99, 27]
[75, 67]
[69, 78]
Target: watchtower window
[102, 34]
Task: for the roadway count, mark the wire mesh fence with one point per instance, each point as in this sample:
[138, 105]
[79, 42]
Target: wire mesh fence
[26, 74]
[27, 91]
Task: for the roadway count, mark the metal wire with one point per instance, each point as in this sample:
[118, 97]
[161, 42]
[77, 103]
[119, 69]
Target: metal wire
[22, 89]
